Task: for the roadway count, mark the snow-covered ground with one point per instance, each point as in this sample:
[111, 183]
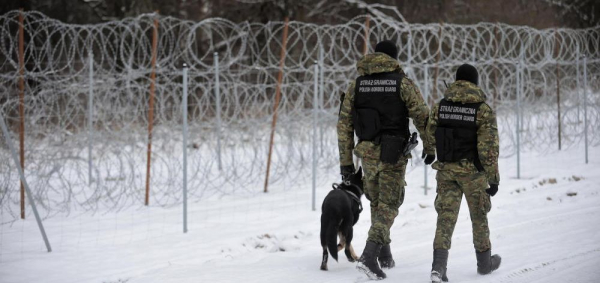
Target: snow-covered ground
[546, 227]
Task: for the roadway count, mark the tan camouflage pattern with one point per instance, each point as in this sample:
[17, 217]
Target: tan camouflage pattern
[487, 133]
[450, 188]
[384, 183]
[410, 94]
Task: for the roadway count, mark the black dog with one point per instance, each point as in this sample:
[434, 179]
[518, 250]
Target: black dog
[339, 212]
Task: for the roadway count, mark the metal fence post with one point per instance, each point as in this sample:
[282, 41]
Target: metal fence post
[90, 113]
[409, 57]
[518, 125]
[558, 111]
[184, 106]
[321, 98]
[314, 134]
[585, 118]
[578, 85]
[426, 92]
[13, 152]
[522, 86]
[22, 105]
[218, 98]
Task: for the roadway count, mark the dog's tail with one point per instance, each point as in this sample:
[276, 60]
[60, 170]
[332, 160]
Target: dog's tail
[331, 240]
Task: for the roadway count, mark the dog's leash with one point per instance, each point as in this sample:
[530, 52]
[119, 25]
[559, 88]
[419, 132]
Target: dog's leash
[336, 186]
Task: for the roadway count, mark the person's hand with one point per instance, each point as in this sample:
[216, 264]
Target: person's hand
[346, 171]
[492, 190]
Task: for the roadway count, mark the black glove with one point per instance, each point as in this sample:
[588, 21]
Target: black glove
[492, 190]
[429, 158]
[346, 171]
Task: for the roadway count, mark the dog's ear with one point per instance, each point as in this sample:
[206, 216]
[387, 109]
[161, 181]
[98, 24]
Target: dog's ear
[359, 172]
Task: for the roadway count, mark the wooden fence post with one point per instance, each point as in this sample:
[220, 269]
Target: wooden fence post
[277, 98]
[151, 105]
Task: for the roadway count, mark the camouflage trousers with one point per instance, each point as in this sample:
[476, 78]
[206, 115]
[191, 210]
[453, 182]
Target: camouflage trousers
[385, 187]
[450, 189]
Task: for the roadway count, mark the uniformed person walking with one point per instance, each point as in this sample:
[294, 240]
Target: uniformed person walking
[464, 130]
[376, 107]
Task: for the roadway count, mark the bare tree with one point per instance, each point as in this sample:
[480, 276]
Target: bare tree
[538, 14]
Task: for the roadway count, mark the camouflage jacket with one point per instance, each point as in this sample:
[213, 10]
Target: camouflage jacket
[409, 93]
[487, 132]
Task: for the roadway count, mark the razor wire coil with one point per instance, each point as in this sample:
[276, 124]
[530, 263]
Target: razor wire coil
[57, 57]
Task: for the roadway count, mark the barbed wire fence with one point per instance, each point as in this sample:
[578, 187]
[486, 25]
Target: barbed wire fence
[70, 69]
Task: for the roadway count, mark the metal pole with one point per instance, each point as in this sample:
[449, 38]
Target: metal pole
[556, 48]
[578, 85]
[473, 59]
[314, 150]
[585, 119]
[518, 132]
[409, 54]
[497, 43]
[23, 181]
[426, 91]
[321, 98]
[218, 97]
[90, 114]
[184, 107]
[22, 104]
[522, 92]
[434, 95]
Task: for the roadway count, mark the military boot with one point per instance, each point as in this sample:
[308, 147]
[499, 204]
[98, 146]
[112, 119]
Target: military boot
[486, 263]
[385, 257]
[438, 267]
[367, 262]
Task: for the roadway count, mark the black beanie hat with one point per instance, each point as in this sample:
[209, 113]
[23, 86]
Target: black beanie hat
[467, 72]
[388, 47]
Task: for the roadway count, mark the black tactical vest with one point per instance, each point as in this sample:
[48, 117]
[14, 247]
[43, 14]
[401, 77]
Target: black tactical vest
[378, 109]
[456, 134]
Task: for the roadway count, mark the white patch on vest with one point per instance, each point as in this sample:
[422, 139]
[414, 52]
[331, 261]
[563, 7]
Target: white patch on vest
[451, 116]
[457, 109]
[457, 113]
[378, 86]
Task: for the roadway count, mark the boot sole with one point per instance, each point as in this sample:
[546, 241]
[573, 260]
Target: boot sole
[368, 272]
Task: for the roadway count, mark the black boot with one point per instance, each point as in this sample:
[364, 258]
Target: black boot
[438, 267]
[486, 263]
[385, 257]
[367, 262]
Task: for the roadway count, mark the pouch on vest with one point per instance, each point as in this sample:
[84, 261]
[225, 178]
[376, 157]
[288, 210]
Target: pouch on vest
[366, 124]
[391, 148]
[444, 144]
